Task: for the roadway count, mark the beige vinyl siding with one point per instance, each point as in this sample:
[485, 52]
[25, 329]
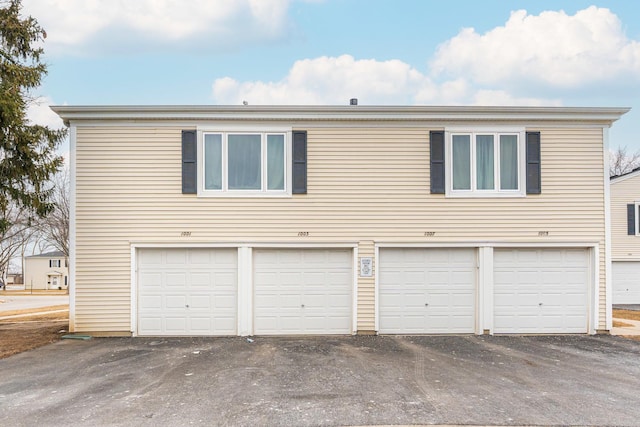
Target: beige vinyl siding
[365, 185]
[623, 246]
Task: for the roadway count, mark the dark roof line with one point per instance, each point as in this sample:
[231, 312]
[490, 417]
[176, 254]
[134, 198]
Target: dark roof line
[53, 254]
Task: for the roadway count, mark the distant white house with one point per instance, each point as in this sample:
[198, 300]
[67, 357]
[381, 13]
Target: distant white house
[625, 237]
[46, 271]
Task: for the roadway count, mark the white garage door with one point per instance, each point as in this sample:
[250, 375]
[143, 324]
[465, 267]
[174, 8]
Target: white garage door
[541, 290]
[187, 291]
[427, 290]
[302, 291]
[626, 282]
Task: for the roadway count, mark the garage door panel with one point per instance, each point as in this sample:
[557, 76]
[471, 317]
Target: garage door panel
[152, 303]
[152, 324]
[187, 291]
[175, 279]
[175, 301]
[626, 282]
[200, 324]
[427, 290]
[224, 303]
[202, 302]
[541, 290]
[175, 257]
[319, 279]
[202, 280]
[174, 324]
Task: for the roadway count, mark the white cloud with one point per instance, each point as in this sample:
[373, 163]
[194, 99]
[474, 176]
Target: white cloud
[125, 25]
[39, 113]
[330, 80]
[553, 48]
[334, 80]
[501, 97]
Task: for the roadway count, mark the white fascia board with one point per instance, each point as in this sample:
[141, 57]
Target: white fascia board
[603, 115]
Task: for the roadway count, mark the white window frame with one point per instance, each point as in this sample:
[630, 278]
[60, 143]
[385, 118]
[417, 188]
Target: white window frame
[55, 263]
[496, 131]
[263, 192]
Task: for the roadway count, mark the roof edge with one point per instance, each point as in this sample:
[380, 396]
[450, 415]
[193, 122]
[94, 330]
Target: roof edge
[625, 176]
[334, 113]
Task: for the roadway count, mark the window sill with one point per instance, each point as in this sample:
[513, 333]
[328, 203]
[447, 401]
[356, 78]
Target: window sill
[243, 194]
[487, 195]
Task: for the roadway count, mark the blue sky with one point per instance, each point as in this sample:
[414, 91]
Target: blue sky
[401, 52]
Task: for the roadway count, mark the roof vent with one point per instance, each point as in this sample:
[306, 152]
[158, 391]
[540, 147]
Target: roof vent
[353, 101]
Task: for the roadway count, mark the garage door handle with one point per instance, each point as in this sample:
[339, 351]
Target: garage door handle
[426, 304]
[187, 305]
[540, 304]
[302, 306]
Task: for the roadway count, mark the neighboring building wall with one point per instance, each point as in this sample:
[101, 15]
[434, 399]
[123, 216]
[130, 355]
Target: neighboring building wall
[37, 272]
[366, 184]
[624, 191]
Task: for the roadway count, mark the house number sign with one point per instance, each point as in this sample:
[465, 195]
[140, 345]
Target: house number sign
[366, 267]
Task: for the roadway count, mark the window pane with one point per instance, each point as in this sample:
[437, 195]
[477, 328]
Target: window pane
[484, 162]
[461, 156]
[508, 162]
[244, 157]
[212, 161]
[275, 162]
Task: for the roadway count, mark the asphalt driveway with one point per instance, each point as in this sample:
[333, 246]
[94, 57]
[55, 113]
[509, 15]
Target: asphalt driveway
[324, 381]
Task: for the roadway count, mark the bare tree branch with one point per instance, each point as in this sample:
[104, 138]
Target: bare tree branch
[14, 238]
[54, 227]
[621, 162]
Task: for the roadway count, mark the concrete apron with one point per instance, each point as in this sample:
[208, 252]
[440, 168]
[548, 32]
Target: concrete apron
[632, 330]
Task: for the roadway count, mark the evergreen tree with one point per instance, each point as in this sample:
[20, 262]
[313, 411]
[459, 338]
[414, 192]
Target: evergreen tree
[27, 151]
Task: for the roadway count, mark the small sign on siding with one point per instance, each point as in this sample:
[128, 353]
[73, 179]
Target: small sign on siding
[366, 267]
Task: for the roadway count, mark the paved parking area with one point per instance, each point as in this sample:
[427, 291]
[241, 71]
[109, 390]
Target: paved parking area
[9, 301]
[552, 380]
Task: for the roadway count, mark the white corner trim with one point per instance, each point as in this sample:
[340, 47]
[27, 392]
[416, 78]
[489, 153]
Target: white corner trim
[594, 290]
[485, 290]
[354, 308]
[607, 234]
[376, 288]
[245, 291]
[72, 227]
[134, 292]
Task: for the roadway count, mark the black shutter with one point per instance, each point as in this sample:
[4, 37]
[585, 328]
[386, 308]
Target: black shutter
[631, 220]
[50, 262]
[299, 166]
[189, 162]
[436, 149]
[534, 181]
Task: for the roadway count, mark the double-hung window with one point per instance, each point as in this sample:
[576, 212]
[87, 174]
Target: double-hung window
[244, 163]
[485, 164]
